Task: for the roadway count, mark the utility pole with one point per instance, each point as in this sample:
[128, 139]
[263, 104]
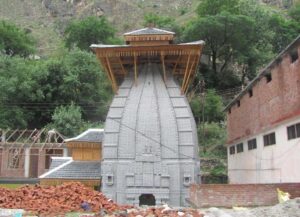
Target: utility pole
[202, 98]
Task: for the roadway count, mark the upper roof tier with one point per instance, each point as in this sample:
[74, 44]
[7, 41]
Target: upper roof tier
[150, 45]
[152, 36]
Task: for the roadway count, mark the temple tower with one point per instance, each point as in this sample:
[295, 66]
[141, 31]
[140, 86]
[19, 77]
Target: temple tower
[150, 146]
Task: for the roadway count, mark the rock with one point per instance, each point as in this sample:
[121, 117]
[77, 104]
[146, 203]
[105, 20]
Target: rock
[215, 212]
[180, 213]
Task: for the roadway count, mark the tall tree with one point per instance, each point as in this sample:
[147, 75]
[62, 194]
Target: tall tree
[67, 120]
[285, 28]
[90, 30]
[229, 39]
[238, 37]
[15, 41]
[16, 90]
[31, 90]
[211, 108]
[214, 7]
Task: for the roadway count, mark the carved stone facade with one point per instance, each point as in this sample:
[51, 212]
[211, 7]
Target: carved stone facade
[150, 143]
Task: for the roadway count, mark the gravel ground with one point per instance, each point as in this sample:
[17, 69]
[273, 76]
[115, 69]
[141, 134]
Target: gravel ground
[290, 208]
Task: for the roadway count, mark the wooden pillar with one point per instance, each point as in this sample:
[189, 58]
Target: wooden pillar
[163, 65]
[175, 67]
[189, 75]
[26, 162]
[123, 69]
[135, 68]
[114, 83]
[103, 63]
[185, 73]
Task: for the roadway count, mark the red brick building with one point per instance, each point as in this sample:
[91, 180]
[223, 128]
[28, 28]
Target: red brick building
[263, 124]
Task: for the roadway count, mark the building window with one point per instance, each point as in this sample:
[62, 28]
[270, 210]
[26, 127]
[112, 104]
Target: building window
[238, 103]
[187, 179]
[232, 150]
[52, 153]
[294, 55]
[250, 92]
[269, 139]
[110, 179]
[252, 144]
[268, 77]
[293, 131]
[14, 158]
[239, 148]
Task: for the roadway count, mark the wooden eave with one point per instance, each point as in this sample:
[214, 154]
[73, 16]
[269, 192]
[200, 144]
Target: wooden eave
[81, 144]
[154, 37]
[181, 59]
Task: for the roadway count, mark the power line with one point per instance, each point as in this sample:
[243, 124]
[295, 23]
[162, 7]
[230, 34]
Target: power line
[155, 141]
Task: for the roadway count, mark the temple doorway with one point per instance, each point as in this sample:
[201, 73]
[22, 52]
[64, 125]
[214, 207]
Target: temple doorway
[147, 199]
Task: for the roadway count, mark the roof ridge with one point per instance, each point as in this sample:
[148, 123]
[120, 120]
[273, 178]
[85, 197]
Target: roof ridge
[148, 28]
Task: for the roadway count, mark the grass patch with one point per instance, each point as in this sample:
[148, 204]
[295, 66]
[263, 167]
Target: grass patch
[11, 186]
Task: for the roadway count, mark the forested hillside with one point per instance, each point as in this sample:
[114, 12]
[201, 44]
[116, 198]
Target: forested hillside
[50, 78]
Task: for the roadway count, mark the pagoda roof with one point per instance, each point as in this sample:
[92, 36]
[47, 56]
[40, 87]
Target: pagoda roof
[149, 45]
[150, 31]
[94, 46]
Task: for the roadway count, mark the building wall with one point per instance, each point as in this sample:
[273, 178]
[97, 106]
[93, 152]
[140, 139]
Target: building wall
[11, 172]
[224, 195]
[271, 101]
[276, 163]
[24, 170]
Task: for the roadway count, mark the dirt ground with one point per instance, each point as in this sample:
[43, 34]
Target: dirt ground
[290, 208]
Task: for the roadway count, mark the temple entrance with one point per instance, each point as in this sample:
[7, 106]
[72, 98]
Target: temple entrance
[147, 199]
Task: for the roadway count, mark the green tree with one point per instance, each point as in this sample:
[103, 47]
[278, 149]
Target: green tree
[294, 12]
[238, 39]
[86, 85]
[17, 89]
[212, 137]
[214, 7]
[286, 30]
[15, 41]
[229, 40]
[31, 90]
[76, 78]
[67, 120]
[90, 30]
[213, 107]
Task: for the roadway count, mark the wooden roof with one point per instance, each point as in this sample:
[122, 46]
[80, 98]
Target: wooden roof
[181, 59]
[147, 35]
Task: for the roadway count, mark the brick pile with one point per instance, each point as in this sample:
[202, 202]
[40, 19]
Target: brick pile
[65, 198]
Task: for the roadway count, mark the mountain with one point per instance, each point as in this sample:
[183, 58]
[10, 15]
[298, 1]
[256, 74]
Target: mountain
[47, 19]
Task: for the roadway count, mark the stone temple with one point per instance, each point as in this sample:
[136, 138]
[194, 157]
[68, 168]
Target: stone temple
[150, 145]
